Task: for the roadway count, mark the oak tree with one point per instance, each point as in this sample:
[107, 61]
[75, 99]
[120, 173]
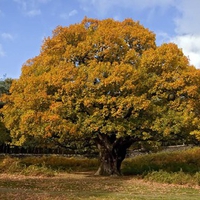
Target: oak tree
[105, 81]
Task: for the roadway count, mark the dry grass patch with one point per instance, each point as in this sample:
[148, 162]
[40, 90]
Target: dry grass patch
[67, 186]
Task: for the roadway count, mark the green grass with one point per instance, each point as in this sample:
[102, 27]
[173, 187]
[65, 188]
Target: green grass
[180, 178]
[187, 161]
[180, 167]
[45, 165]
[86, 186]
[166, 176]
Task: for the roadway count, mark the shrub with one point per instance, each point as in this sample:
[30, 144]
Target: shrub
[187, 161]
[180, 177]
[62, 163]
[15, 165]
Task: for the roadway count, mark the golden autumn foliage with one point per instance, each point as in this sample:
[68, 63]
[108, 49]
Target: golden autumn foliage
[106, 80]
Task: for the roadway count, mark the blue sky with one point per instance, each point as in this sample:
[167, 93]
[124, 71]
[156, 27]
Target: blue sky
[25, 23]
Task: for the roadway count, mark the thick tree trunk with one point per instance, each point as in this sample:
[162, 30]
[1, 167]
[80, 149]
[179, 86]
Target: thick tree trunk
[111, 160]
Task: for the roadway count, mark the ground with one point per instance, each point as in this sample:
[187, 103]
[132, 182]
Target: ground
[75, 186]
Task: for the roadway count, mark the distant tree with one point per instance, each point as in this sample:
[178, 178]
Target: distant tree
[105, 81]
[5, 84]
[4, 133]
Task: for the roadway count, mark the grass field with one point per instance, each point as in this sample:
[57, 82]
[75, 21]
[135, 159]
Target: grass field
[74, 186]
[159, 176]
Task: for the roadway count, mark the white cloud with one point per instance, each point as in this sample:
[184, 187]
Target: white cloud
[33, 13]
[73, 12]
[162, 37]
[64, 15]
[2, 53]
[22, 4]
[142, 4]
[43, 1]
[7, 36]
[190, 45]
[188, 20]
[70, 14]
[102, 7]
[31, 7]
[188, 30]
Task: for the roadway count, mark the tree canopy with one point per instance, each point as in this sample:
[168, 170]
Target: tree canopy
[105, 81]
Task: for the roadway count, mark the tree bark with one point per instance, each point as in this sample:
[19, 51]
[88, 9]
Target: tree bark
[111, 157]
